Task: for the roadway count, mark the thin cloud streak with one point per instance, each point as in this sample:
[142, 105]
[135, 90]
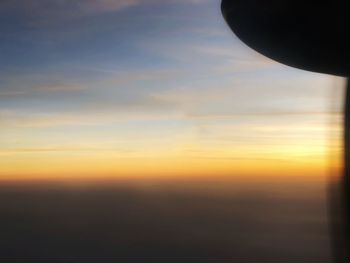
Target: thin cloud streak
[43, 12]
[26, 120]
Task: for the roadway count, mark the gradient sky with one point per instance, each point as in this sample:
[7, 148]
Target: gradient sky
[100, 88]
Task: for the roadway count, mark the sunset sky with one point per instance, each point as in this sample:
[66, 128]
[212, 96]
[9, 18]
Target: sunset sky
[142, 88]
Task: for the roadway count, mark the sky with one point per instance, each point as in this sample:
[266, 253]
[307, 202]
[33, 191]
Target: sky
[142, 88]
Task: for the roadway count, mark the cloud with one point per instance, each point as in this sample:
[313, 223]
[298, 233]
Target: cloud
[30, 90]
[59, 88]
[109, 91]
[221, 56]
[12, 93]
[58, 8]
[39, 12]
[97, 6]
[22, 119]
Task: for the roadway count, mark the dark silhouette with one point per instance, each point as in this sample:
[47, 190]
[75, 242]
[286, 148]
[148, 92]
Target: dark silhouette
[168, 223]
[310, 35]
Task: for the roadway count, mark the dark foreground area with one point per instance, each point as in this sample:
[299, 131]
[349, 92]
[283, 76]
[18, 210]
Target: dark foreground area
[164, 222]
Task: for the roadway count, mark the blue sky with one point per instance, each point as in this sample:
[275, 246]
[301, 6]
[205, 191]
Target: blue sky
[148, 78]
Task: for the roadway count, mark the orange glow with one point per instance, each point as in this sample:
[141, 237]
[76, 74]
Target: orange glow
[296, 161]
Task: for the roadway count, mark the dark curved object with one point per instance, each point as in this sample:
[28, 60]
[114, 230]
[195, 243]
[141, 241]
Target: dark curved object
[309, 35]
